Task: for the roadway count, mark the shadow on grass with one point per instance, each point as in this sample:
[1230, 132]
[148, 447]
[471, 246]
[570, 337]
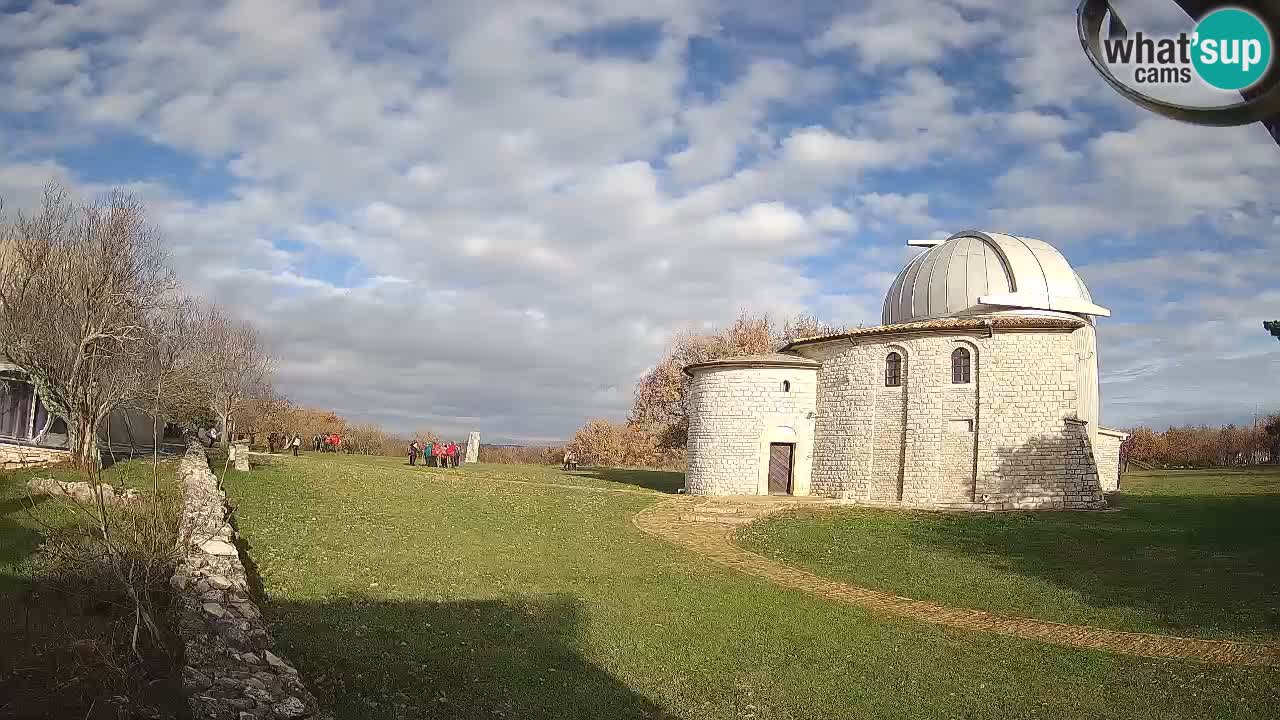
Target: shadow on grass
[1206, 561]
[663, 481]
[65, 636]
[513, 658]
[1191, 564]
[18, 540]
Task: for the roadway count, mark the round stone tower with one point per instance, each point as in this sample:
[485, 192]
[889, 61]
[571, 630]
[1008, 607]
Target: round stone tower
[751, 422]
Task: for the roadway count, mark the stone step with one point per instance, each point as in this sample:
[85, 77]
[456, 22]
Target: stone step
[742, 511]
[717, 519]
[719, 510]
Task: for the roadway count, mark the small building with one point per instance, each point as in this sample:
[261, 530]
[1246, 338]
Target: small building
[979, 390]
[31, 435]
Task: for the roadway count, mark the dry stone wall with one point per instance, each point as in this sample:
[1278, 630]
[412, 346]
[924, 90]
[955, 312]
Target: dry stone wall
[82, 492]
[231, 671]
[20, 456]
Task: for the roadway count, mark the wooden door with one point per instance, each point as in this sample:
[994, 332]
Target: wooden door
[780, 468]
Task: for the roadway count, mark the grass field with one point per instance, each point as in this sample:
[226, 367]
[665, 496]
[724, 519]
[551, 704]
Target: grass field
[62, 651]
[1190, 553]
[491, 592]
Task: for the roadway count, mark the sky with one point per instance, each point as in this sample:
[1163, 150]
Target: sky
[494, 215]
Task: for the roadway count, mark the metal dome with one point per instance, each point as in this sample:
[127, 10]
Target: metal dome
[975, 272]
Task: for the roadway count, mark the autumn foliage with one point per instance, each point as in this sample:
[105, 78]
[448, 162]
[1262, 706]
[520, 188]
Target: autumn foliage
[655, 432]
[1204, 446]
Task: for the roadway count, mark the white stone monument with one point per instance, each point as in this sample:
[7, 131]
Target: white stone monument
[473, 447]
[240, 456]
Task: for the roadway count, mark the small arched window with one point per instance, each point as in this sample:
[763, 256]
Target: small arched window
[786, 386]
[960, 366]
[893, 370]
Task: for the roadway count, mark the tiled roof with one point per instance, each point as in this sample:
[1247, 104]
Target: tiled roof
[765, 360]
[999, 322]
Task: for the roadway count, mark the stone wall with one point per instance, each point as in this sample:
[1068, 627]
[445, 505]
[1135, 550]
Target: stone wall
[231, 672]
[19, 456]
[1107, 452]
[734, 413]
[1000, 441]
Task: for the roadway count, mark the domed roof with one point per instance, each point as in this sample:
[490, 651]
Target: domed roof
[975, 272]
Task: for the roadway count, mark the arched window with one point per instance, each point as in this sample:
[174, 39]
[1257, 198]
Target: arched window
[786, 386]
[960, 366]
[893, 370]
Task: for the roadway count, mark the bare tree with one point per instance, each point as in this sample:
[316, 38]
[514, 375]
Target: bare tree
[237, 366]
[79, 286]
[89, 310]
[267, 413]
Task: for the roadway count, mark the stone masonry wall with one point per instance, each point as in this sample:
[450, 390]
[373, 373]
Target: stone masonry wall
[19, 456]
[231, 672]
[1107, 452]
[1000, 441]
[731, 413]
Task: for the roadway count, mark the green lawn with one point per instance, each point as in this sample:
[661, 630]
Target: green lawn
[445, 593]
[62, 652]
[1191, 553]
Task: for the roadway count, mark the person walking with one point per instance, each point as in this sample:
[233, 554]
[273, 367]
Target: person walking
[296, 444]
[413, 453]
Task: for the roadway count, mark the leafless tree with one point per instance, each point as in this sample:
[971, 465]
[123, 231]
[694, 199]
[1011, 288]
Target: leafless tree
[236, 366]
[89, 310]
[79, 288]
[267, 413]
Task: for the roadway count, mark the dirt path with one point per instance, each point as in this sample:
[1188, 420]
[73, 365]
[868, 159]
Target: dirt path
[707, 527]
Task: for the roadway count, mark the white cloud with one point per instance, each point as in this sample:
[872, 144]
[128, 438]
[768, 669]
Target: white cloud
[444, 214]
[906, 32]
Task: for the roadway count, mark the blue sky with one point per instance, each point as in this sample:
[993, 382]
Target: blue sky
[494, 215]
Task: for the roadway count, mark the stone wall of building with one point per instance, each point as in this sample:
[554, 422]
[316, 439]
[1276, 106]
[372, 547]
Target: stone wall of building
[1107, 454]
[734, 413]
[231, 672]
[19, 456]
[1000, 441]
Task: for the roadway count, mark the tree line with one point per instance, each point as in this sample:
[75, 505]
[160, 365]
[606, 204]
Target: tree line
[1204, 445]
[94, 316]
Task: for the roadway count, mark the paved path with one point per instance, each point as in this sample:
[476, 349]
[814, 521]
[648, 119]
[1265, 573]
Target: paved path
[707, 527]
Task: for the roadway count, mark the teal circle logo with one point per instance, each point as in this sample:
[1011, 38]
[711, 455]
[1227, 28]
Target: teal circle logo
[1232, 49]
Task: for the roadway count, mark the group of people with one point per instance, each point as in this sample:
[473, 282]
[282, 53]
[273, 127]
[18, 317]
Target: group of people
[435, 454]
[321, 443]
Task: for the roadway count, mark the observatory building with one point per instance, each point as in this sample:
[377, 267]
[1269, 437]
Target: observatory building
[978, 391]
